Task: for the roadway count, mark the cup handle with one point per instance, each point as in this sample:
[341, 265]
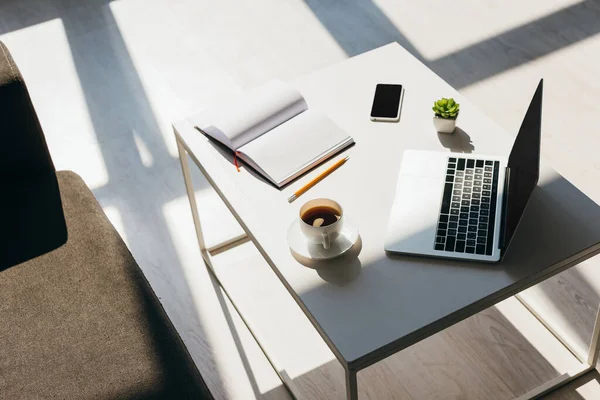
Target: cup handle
[326, 241]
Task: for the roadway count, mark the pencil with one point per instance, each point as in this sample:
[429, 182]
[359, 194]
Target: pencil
[319, 178]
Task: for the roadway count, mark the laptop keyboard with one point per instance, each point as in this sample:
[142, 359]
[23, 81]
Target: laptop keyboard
[466, 222]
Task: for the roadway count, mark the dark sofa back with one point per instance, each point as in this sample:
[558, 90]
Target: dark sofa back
[23, 150]
[31, 213]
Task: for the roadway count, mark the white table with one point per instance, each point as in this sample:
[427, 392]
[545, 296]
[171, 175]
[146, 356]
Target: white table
[395, 301]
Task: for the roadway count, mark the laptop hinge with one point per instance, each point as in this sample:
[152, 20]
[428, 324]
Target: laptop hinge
[502, 240]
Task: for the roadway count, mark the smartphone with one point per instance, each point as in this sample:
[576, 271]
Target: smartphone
[387, 102]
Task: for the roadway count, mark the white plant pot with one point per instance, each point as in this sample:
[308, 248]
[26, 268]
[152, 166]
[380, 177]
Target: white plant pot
[443, 125]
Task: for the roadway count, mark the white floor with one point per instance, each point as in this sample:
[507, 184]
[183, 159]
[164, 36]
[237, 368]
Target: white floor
[108, 77]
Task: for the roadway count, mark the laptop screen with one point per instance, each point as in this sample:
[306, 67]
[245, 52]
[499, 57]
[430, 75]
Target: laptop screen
[524, 165]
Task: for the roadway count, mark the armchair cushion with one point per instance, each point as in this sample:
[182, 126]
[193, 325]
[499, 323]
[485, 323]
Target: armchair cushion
[82, 322]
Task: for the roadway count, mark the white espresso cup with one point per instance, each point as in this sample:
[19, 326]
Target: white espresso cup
[321, 221]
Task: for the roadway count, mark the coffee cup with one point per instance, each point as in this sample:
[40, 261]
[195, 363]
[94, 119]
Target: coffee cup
[321, 221]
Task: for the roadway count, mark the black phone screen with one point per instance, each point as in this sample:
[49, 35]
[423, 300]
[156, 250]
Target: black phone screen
[387, 101]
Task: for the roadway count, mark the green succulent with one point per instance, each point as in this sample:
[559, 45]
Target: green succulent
[446, 108]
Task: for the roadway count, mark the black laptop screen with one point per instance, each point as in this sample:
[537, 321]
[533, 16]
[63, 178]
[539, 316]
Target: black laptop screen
[524, 165]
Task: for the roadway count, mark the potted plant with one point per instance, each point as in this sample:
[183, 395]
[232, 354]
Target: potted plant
[446, 111]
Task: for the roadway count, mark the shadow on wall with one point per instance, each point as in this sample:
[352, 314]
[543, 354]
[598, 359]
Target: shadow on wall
[360, 26]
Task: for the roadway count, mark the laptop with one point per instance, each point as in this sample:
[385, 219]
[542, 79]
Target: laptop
[465, 206]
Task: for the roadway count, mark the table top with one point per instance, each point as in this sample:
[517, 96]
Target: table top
[370, 306]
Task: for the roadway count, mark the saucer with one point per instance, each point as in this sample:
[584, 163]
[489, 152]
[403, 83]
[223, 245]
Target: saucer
[302, 246]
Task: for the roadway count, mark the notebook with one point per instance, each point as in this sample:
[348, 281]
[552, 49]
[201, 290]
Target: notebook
[271, 129]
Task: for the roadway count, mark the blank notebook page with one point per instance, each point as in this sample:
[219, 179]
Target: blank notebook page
[295, 144]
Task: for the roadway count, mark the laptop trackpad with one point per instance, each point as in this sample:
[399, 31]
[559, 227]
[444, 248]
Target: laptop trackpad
[413, 220]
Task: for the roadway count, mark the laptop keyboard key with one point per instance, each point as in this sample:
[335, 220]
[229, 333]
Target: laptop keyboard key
[470, 163]
[450, 240]
[470, 250]
[471, 235]
[479, 163]
[470, 242]
[453, 218]
[463, 222]
[462, 229]
[460, 246]
[471, 228]
[480, 249]
[454, 211]
[452, 225]
[451, 232]
[461, 236]
[481, 240]
[461, 164]
[439, 246]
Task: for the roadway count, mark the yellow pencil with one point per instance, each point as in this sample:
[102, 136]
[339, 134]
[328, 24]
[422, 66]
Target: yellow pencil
[319, 178]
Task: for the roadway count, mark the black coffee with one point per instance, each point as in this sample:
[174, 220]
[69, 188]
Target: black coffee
[320, 216]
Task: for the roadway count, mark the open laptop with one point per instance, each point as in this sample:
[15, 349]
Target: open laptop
[465, 206]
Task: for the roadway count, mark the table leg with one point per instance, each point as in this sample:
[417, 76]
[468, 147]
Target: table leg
[583, 368]
[594, 343]
[351, 385]
[189, 187]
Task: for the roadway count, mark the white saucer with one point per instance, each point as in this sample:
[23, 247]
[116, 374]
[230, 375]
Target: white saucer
[305, 248]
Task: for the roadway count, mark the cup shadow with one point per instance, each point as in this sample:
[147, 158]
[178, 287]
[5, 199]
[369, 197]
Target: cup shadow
[338, 271]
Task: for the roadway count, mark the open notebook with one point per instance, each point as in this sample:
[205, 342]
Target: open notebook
[272, 130]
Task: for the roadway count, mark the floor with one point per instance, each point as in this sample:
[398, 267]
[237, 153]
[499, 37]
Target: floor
[108, 77]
